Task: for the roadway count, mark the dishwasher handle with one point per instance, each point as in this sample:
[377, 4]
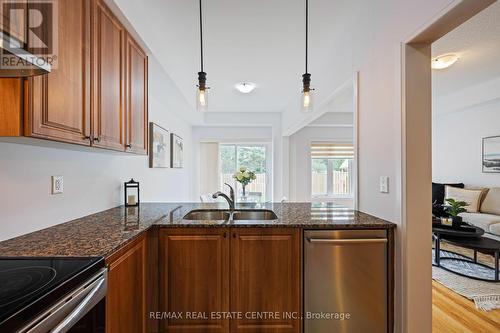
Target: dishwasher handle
[342, 241]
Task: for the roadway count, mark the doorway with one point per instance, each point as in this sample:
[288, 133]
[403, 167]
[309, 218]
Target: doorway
[416, 163]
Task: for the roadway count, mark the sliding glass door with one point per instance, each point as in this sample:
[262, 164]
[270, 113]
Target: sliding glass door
[254, 158]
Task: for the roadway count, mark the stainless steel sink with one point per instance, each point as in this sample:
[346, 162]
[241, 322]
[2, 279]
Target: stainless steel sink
[215, 215]
[254, 215]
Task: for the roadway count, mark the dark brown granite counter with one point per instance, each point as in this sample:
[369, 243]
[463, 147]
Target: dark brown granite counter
[103, 233]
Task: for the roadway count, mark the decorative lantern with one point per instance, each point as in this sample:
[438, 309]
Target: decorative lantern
[132, 193]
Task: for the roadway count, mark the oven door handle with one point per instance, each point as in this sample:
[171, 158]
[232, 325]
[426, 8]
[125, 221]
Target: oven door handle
[71, 308]
[97, 293]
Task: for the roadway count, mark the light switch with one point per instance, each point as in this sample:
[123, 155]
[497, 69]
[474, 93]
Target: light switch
[384, 184]
[57, 184]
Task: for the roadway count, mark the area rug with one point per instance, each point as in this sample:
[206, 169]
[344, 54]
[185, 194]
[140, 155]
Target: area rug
[486, 295]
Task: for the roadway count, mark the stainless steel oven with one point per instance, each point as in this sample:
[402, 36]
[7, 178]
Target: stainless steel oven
[55, 294]
[82, 310]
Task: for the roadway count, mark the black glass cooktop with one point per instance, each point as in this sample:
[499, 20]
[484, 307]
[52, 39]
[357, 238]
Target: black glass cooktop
[29, 285]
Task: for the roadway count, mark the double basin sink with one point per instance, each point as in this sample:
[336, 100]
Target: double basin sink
[224, 215]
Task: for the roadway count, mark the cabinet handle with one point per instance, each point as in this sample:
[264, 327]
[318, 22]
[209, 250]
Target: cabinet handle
[128, 146]
[97, 139]
[225, 235]
[87, 138]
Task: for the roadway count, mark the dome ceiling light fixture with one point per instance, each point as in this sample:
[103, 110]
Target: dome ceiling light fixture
[202, 89]
[444, 61]
[245, 87]
[307, 91]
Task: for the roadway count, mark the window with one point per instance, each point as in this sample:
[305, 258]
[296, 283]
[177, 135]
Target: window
[331, 170]
[251, 156]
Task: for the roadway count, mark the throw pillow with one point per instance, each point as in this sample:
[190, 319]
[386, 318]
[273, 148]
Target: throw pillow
[471, 197]
[491, 203]
[438, 191]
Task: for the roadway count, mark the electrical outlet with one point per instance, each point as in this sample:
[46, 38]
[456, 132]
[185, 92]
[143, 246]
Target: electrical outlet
[57, 184]
[384, 184]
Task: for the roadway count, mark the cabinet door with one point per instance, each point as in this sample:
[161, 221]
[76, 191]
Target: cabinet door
[126, 297]
[194, 279]
[266, 279]
[137, 98]
[11, 107]
[108, 80]
[58, 103]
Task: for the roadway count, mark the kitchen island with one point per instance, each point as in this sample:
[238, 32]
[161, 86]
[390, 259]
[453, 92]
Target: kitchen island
[167, 273]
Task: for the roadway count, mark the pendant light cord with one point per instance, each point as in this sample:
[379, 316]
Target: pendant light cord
[201, 38]
[307, 30]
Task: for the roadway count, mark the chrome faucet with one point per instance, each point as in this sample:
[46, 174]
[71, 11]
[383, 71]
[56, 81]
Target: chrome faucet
[230, 199]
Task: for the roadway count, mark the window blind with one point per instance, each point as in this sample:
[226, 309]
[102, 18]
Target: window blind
[332, 150]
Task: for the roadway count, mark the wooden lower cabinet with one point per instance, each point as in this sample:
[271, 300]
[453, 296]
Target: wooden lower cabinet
[266, 280]
[127, 289]
[194, 271]
[251, 273]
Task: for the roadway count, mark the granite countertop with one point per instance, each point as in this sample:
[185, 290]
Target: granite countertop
[103, 233]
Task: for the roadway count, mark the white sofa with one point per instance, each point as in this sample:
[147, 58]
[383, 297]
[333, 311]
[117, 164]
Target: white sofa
[488, 217]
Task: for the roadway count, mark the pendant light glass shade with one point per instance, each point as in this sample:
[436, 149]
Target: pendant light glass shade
[202, 99]
[202, 92]
[307, 101]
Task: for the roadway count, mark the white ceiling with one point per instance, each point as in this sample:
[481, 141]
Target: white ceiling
[260, 41]
[477, 42]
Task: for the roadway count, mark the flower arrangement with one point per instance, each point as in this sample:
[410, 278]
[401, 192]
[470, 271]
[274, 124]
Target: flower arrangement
[244, 177]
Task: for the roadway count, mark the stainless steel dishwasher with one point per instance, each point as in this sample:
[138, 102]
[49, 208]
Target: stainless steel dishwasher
[345, 281]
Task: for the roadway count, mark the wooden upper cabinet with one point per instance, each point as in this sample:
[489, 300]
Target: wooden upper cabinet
[126, 297]
[96, 94]
[266, 278]
[137, 97]
[108, 79]
[194, 271]
[11, 110]
[58, 104]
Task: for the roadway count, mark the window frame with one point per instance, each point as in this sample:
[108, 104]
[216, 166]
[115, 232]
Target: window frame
[329, 173]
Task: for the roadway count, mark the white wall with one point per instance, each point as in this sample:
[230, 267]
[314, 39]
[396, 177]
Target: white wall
[457, 145]
[300, 157]
[93, 178]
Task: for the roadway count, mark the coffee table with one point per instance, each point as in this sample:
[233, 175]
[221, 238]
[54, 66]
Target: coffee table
[468, 239]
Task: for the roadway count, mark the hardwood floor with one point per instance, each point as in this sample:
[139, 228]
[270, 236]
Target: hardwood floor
[453, 313]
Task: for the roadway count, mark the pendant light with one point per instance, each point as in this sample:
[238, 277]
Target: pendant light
[307, 91]
[202, 89]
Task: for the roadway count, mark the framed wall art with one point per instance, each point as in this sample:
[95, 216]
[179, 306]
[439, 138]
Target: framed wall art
[159, 147]
[491, 154]
[177, 151]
